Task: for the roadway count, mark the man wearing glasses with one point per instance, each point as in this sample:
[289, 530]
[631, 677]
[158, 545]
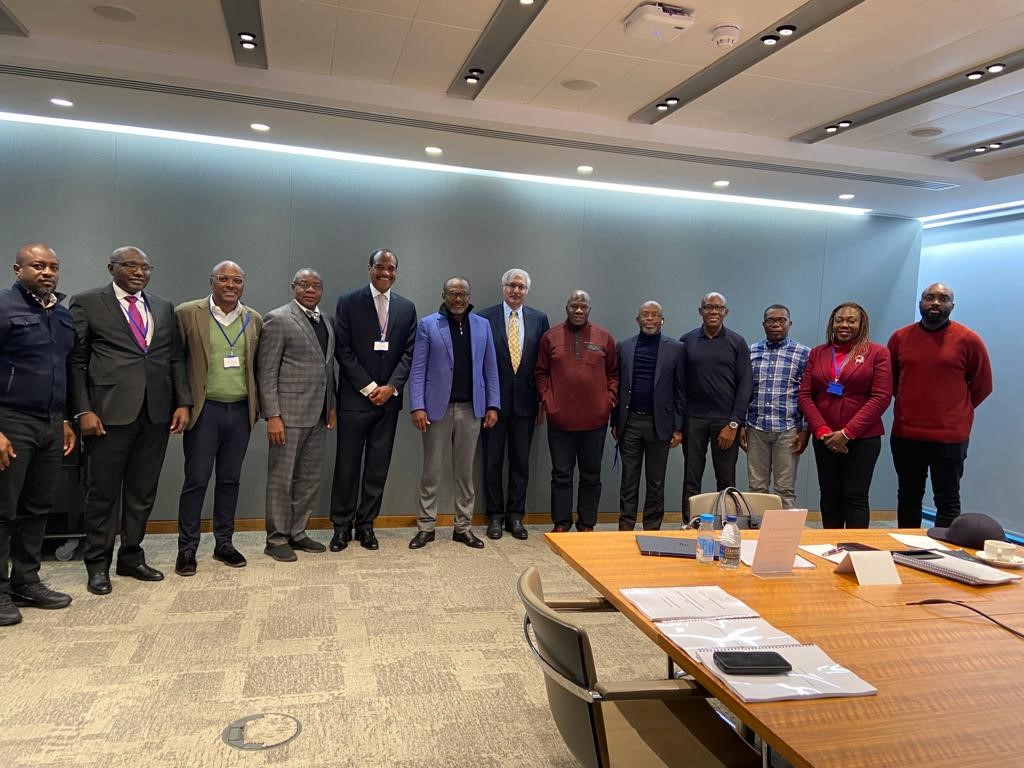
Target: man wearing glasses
[219, 334]
[517, 330]
[774, 433]
[129, 391]
[718, 384]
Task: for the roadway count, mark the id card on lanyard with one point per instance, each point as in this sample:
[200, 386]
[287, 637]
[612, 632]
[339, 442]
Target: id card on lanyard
[835, 387]
[232, 360]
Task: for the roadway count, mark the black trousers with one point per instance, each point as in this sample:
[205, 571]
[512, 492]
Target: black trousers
[640, 448]
[514, 433]
[569, 449]
[365, 443]
[697, 435]
[845, 480]
[219, 439]
[121, 475]
[27, 490]
[913, 459]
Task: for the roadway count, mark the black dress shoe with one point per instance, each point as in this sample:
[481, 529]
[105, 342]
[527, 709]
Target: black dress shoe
[99, 583]
[494, 526]
[421, 539]
[561, 528]
[280, 552]
[9, 613]
[467, 538]
[340, 540]
[516, 528]
[185, 563]
[367, 539]
[38, 595]
[306, 544]
[142, 572]
[584, 528]
[231, 557]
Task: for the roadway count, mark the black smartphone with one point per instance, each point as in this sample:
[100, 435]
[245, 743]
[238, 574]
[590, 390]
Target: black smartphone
[751, 663]
[855, 546]
[920, 554]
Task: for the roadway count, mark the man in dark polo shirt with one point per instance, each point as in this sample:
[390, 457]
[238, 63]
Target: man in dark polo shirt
[648, 418]
[718, 386]
[36, 336]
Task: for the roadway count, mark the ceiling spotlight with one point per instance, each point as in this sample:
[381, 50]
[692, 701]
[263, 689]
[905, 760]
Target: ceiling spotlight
[832, 129]
[975, 75]
[846, 196]
[786, 30]
[476, 72]
[584, 170]
[249, 46]
[526, 2]
[995, 145]
[259, 127]
[246, 37]
[770, 39]
[672, 102]
[995, 69]
[663, 107]
[721, 183]
[433, 151]
[844, 123]
[472, 79]
[62, 102]
[979, 150]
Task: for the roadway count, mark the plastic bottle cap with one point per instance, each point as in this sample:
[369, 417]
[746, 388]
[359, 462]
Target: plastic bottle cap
[730, 518]
[707, 516]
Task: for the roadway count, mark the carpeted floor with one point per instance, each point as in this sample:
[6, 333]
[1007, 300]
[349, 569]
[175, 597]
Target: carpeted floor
[398, 658]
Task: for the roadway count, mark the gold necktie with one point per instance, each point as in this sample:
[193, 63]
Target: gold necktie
[514, 350]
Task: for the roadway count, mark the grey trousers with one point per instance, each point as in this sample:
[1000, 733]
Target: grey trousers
[457, 433]
[770, 455]
[293, 481]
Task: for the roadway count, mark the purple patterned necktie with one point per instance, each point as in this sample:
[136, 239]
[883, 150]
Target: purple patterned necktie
[135, 321]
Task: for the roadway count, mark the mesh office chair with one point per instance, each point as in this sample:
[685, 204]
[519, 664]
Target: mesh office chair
[635, 724]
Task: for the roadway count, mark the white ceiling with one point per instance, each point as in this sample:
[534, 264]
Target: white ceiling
[398, 57]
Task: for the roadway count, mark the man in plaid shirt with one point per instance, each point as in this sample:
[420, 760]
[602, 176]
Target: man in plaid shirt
[775, 433]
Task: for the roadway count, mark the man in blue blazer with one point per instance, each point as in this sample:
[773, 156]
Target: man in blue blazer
[648, 417]
[517, 330]
[453, 384]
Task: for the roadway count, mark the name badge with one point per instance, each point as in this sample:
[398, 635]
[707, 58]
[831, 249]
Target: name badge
[380, 346]
[835, 388]
[232, 361]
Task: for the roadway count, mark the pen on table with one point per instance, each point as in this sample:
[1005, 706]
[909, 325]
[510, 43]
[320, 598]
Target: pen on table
[833, 551]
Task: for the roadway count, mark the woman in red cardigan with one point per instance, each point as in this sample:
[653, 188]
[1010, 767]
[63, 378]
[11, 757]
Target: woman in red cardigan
[847, 386]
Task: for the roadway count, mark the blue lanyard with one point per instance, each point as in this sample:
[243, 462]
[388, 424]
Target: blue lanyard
[231, 344]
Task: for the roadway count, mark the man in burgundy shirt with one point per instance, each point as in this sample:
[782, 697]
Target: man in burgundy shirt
[578, 381]
[941, 373]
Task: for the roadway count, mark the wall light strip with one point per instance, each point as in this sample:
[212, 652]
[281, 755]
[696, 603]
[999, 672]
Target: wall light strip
[972, 214]
[329, 154]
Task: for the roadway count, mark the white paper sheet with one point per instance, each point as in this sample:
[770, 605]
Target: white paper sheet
[694, 634]
[665, 603]
[918, 542]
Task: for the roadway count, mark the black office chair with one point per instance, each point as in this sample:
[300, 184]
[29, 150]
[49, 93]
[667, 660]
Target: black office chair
[635, 724]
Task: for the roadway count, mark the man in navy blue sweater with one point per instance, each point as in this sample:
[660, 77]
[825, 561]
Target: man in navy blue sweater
[36, 336]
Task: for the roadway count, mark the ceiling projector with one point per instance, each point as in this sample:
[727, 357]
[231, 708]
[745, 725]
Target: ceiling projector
[658, 21]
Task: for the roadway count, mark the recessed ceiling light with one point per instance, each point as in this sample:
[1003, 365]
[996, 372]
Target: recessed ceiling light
[663, 107]
[844, 123]
[584, 170]
[975, 75]
[721, 183]
[249, 46]
[995, 68]
[247, 37]
[259, 126]
[846, 196]
[62, 102]
[476, 72]
[832, 129]
[770, 39]
[433, 151]
[786, 30]
[979, 150]
[472, 79]
[995, 145]
[115, 13]
[526, 2]
[672, 102]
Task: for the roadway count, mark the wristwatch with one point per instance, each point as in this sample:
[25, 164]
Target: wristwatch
[734, 425]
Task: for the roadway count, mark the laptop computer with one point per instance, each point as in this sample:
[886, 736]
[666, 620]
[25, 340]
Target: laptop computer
[664, 546]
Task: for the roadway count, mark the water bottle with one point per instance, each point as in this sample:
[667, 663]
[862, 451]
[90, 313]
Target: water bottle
[729, 544]
[707, 544]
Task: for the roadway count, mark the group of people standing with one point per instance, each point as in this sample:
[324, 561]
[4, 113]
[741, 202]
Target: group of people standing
[131, 369]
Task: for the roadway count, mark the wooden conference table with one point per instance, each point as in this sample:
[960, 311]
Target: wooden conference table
[950, 683]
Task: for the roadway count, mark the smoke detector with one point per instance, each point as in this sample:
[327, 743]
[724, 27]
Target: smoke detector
[725, 35]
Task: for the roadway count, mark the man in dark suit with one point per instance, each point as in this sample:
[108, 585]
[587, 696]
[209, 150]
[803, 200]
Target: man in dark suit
[516, 330]
[129, 389]
[648, 417]
[375, 329]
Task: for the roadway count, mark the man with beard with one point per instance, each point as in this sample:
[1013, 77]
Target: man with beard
[941, 373]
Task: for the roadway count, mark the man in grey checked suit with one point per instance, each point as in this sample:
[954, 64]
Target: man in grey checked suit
[295, 372]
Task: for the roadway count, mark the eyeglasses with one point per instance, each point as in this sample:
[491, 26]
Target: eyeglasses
[304, 286]
[225, 279]
[516, 286]
[381, 269]
[134, 266]
[457, 295]
[719, 308]
[775, 321]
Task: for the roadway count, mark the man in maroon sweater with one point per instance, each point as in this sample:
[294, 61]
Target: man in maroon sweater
[577, 380]
[941, 373]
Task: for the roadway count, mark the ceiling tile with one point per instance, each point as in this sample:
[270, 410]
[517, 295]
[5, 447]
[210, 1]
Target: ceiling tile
[470, 14]
[403, 8]
[963, 127]
[432, 55]
[604, 68]
[300, 35]
[529, 68]
[994, 90]
[933, 114]
[753, 101]
[570, 22]
[647, 81]
[1011, 105]
[194, 27]
[74, 19]
[367, 45]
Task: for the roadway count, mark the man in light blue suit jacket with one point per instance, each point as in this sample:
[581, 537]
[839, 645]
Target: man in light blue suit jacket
[453, 384]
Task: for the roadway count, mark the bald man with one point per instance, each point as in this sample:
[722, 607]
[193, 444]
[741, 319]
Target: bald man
[220, 335]
[941, 373]
[36, 336]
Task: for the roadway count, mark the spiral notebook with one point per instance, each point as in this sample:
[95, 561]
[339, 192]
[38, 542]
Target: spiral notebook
[746, 633]
[975, 574]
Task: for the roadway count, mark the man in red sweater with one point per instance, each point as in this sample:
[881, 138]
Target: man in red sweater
[578, 380]
[941, 373]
